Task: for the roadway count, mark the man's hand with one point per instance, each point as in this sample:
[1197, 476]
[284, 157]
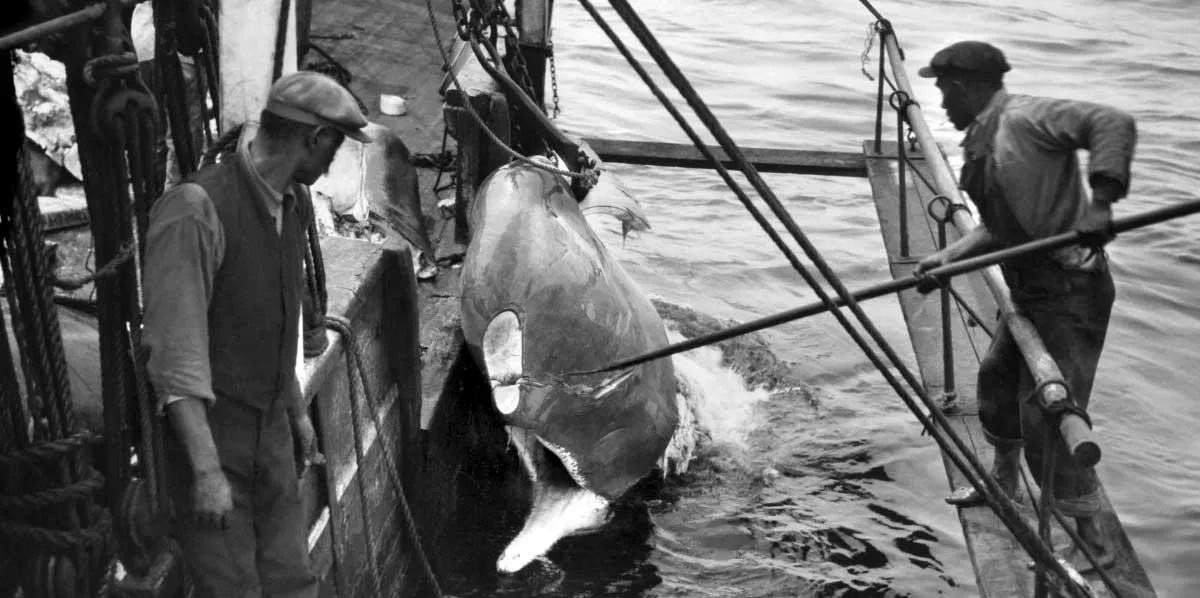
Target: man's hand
[932, 261]
[306, 438]
[212, 500]
[1096, 226]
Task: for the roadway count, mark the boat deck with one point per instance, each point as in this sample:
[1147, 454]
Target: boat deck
[999, 560]
[392, 50]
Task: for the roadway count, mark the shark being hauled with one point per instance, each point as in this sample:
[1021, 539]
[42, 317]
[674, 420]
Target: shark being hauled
[541, 296]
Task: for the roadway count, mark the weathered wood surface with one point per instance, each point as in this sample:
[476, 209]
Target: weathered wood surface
[392, 50]
[66, 209]
[999, 560]
[478, 153]
[654, 153]
[362, 283]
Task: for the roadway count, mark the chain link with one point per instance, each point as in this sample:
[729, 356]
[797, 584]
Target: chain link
[553, 82]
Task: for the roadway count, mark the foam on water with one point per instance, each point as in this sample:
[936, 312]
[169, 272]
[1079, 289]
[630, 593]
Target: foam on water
[723, 404]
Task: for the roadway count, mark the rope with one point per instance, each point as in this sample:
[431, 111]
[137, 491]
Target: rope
[354, 367]
[588, 177]
[224, 146]
[32, 501]
[24, 535]
[210, 65]
[107, 66]
[44, 452]
[109, 270]
[360, 454]
[41, 311]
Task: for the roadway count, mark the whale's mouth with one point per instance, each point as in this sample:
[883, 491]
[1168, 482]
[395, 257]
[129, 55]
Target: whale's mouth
[562, 504]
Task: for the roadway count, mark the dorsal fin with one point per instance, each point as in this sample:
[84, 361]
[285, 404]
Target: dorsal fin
[611, 198]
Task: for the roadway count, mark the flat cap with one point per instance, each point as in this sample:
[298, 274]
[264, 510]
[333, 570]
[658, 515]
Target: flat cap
[316, 99]
[969, 58]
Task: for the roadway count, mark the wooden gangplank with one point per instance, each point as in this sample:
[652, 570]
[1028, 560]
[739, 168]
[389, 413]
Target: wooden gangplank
[999, 561]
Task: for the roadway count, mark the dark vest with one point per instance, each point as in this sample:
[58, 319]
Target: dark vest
[253, 317]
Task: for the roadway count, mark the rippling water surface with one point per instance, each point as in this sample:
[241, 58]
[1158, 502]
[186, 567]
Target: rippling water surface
[857, 510]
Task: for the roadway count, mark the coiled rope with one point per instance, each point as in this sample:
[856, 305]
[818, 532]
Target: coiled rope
[48, 480]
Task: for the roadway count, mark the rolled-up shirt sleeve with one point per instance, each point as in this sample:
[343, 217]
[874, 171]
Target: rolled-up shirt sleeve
[185, 244]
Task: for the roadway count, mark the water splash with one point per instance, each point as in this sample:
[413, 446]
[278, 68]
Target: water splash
[720, 398]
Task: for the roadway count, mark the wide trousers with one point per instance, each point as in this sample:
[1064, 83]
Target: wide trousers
[264, 551]
[1070, 310]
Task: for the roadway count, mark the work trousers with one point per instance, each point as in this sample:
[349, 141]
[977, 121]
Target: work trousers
[1070, 310]
[264, 551]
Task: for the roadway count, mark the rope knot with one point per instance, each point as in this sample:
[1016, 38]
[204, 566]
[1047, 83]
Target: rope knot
[948, 208]
[900, 101]
[109, 66]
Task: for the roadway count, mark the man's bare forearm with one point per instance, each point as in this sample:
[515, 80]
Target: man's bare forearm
[979, 241]
[190, 418]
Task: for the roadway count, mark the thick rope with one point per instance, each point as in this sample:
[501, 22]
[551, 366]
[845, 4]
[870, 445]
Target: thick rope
[50, 497]
[355, 370]
[21, 534]
[109, 270]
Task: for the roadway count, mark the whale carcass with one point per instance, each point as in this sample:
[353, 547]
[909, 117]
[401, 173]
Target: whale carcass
[542, 297]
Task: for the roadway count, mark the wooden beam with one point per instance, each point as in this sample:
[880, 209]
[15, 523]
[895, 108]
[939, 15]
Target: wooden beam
[677, 155]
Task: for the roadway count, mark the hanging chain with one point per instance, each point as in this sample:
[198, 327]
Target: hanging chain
[553, 83]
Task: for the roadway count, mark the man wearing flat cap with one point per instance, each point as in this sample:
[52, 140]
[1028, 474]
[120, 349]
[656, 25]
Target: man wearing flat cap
[223, 287]
[1021, 171]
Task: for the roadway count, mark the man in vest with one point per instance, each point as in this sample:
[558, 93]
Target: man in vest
[1021, 171]
[223, 286]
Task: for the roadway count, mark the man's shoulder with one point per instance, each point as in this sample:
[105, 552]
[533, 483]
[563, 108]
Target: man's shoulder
[187, 200]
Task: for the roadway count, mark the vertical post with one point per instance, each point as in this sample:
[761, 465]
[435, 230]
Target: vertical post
[879, 97]
[533, 22]
[900, 168]
[950, 394]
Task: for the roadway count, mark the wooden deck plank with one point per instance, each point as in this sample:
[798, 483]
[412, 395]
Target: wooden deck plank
[678, 155]
[999, 561]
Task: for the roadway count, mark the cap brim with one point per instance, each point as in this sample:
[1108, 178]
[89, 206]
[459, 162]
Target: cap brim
[927, 72]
